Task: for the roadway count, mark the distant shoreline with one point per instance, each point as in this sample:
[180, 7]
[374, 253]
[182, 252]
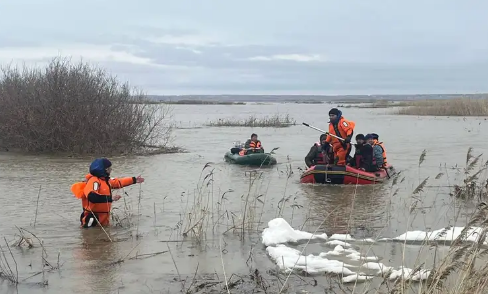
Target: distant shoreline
[298, 99]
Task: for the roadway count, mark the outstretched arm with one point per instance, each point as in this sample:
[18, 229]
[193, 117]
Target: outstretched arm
[118, 183]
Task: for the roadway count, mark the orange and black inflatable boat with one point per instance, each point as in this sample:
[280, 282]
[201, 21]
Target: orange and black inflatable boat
[344, 175]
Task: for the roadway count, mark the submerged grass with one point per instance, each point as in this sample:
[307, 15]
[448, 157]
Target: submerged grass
[457, 272]
[446, 107]
[207, 212]
[462, 269]
[9, 268]
[274, 121]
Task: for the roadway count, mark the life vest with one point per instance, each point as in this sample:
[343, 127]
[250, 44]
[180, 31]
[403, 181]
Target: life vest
[382, 148]
[78, 190]
[98, 192]
[342, 129]
[96, 195]
[320, 159]
[253, 145]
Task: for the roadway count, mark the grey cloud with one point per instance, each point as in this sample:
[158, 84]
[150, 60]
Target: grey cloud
[208, 56]
[331, 79]
[369, 45]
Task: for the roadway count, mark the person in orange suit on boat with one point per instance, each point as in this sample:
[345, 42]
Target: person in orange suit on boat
[96, 194]
[344, 129]
[252, 145]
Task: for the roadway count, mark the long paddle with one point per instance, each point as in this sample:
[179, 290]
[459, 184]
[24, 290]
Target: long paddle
[322, 131]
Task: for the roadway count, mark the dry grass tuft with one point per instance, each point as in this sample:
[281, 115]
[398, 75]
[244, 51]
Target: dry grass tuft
[274, 121]
[9, 269]
[472, 187]
[206, 210]
[446, 107]
[464, 269]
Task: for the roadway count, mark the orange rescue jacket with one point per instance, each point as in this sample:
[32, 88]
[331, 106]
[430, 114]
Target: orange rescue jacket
[343, 129]
[96, 193]
[252, 145]
[375, 142]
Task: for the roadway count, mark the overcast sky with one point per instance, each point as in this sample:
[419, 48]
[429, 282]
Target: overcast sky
[268, 47]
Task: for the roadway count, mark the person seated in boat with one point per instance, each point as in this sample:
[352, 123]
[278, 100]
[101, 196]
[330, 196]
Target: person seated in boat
[96, 193]
[372, 158]
[340, 127]
[320, 153]
[252, 145]
[376, 142]
[356, 160]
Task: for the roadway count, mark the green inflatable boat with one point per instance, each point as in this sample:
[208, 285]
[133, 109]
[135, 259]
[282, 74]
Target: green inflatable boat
[251, 159]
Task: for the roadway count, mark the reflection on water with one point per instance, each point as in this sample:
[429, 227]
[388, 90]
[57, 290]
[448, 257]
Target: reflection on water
[359, 211]
[93, 262]
[170, 187]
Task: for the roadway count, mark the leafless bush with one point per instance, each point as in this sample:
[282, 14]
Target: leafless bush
[76, 108]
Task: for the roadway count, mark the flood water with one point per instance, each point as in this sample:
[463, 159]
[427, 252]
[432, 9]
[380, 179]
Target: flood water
[91, 263]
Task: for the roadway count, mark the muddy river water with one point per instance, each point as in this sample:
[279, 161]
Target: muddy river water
[154, 256]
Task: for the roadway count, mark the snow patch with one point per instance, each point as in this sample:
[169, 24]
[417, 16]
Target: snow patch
[334, 243]
[356, 277]
[407, 274]
[288, 259]
[446, 234]
[279, 231]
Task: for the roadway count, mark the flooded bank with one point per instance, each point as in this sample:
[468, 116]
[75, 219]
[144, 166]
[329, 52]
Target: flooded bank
[182, 229]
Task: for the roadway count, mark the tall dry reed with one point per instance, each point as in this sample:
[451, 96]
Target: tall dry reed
[274, 121]
[446, 107]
